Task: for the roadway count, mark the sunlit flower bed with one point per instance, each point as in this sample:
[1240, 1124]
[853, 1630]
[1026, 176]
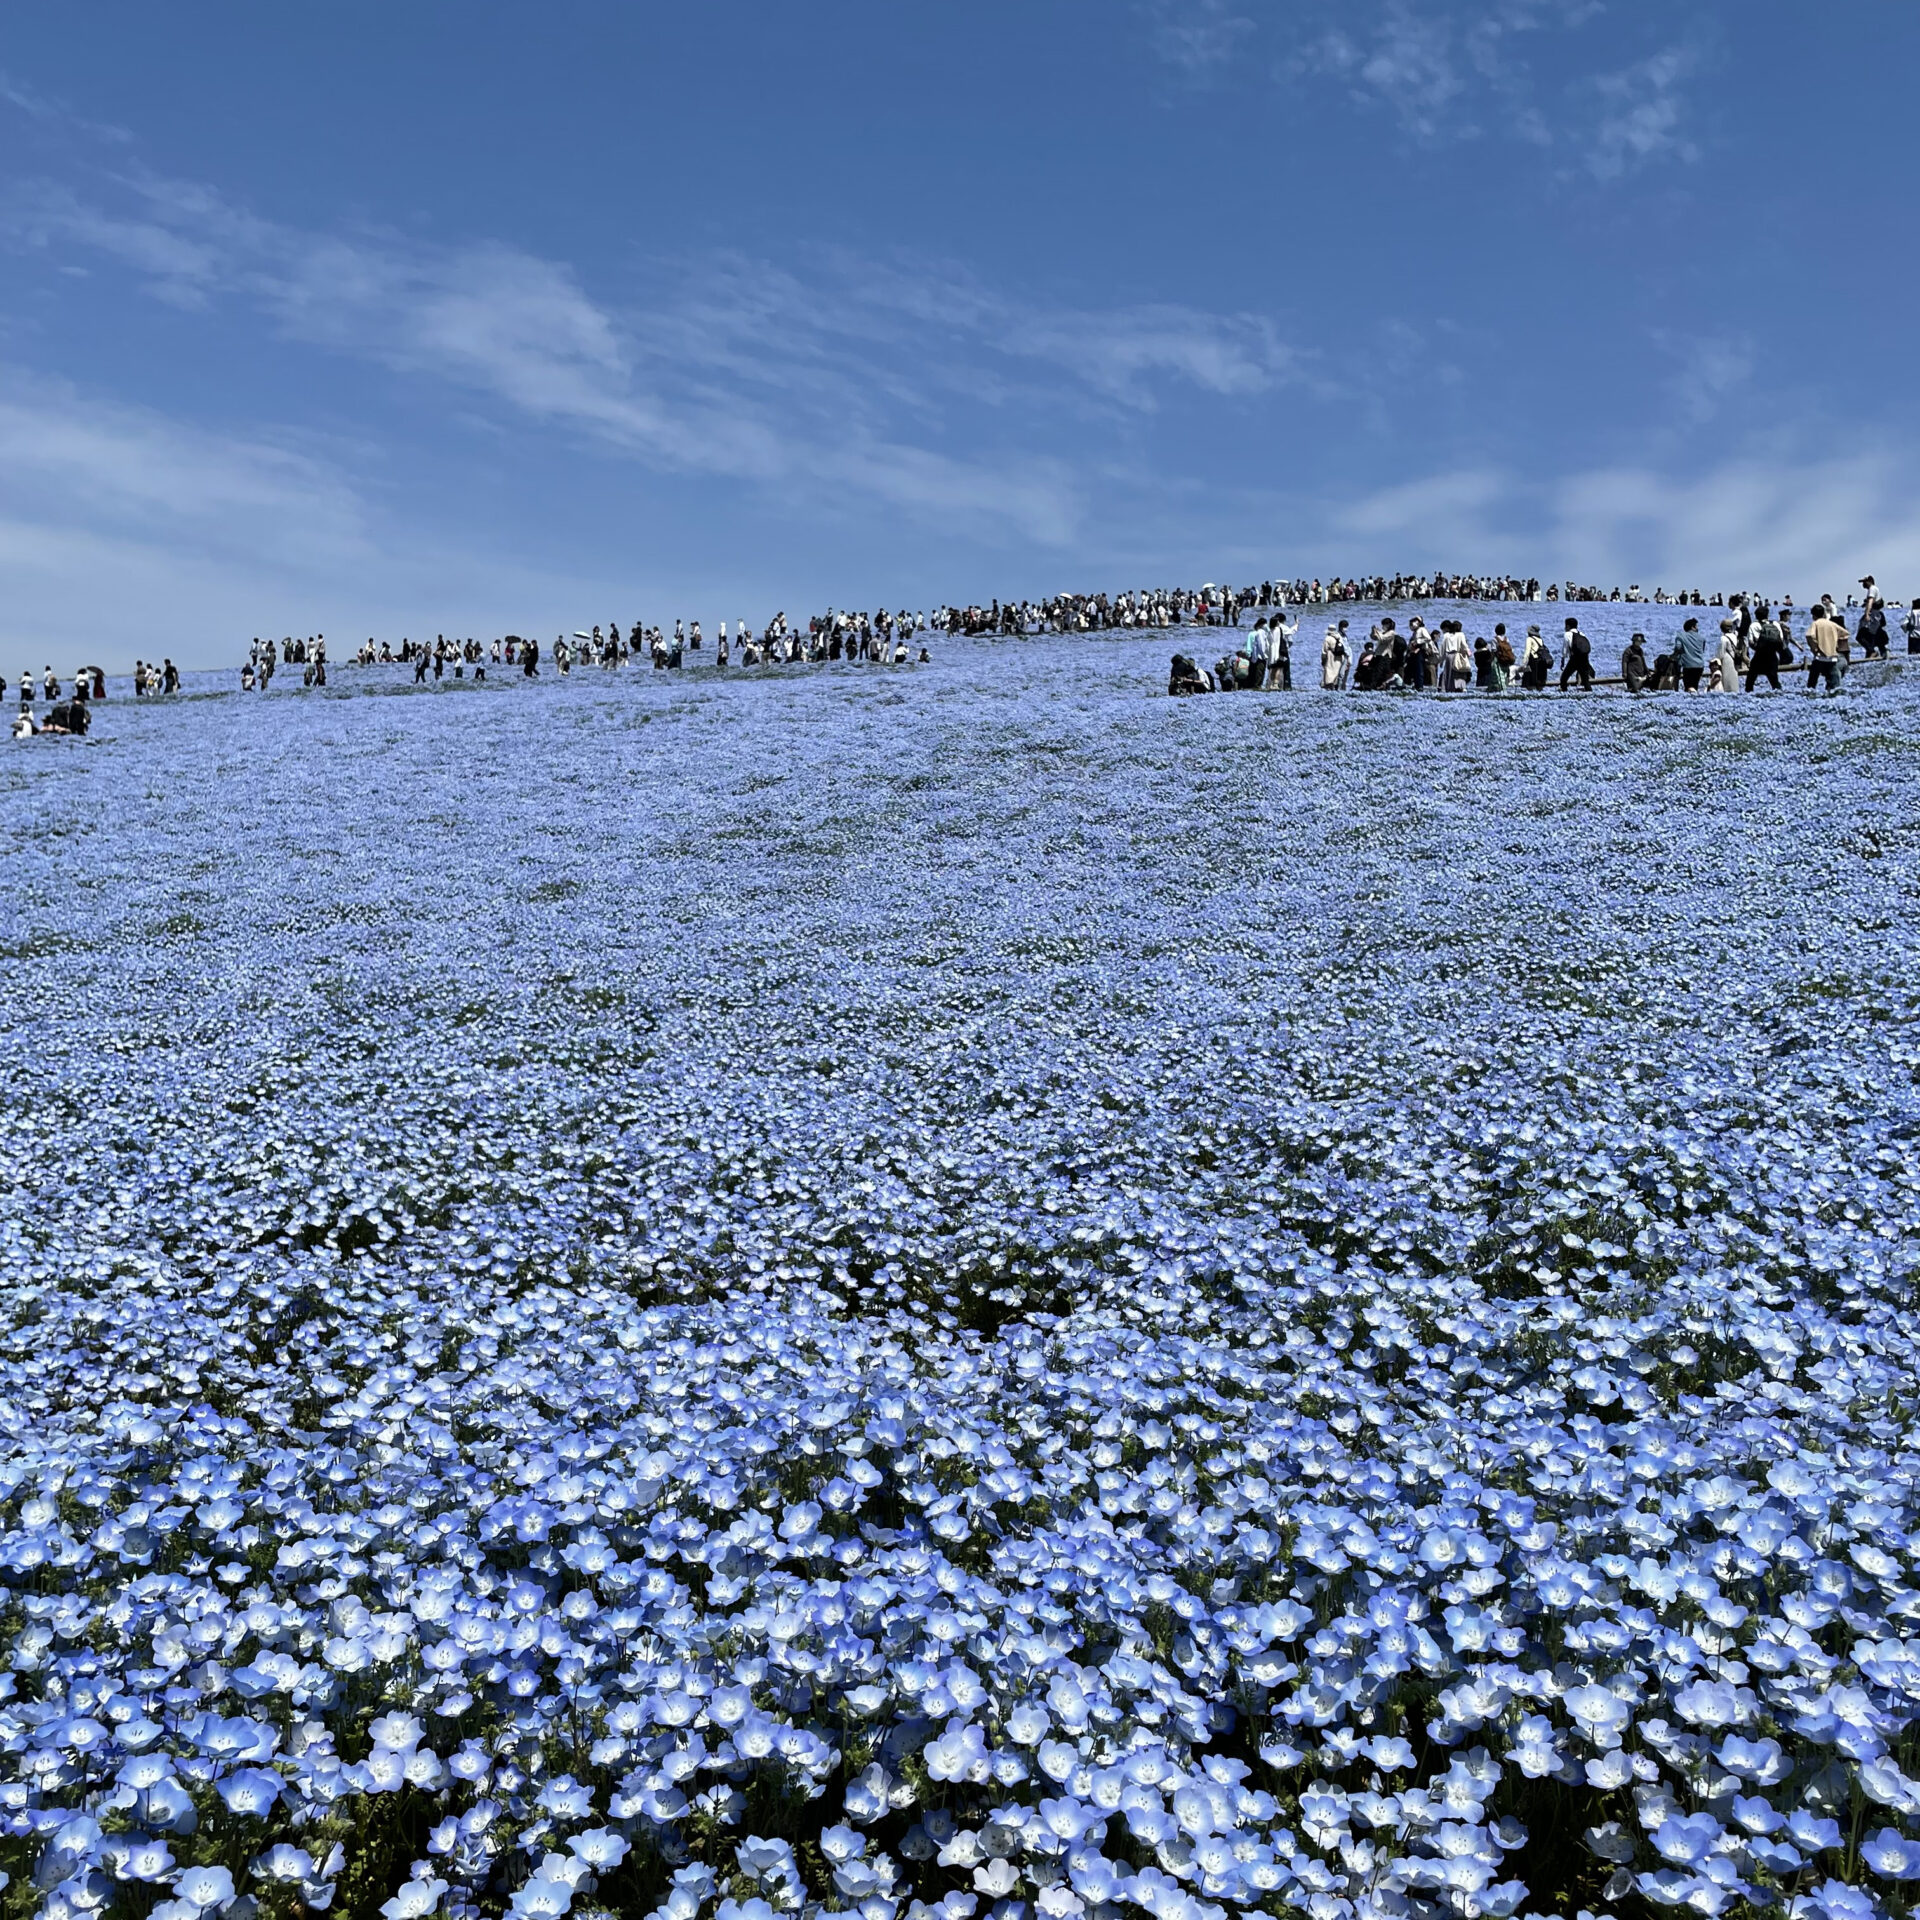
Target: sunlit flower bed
[973, 1294]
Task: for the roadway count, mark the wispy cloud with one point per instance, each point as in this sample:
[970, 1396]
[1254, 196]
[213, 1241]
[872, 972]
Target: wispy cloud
[1450, 70]
[1196, 37]
[1756, 517]
[762, 375]
[124, 530]
[69, 459]
[1709, 369]
[1644, 115]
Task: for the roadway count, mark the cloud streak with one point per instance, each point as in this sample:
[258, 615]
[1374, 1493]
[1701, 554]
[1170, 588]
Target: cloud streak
[765, 377]
[1755, 518]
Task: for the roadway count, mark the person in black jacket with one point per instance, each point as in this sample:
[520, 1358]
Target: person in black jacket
[1579, 658]
[1769, 649]
[1185, 677]
[1633, 663]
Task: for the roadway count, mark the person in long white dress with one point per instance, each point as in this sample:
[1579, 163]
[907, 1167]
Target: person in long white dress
[1335, 661]
[1727, 658]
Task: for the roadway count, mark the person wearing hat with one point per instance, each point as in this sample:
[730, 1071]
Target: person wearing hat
[1537, 663]
[1871, 631]
[1336, 661]
[1633, 663]
[1483, 664]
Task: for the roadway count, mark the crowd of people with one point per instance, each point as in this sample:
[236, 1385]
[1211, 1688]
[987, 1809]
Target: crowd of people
[71, 715]
[1756, 640]
[883, 636]
[1211, 605]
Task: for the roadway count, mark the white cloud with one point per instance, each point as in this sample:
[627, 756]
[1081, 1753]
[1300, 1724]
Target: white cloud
[1644, 114]
[1710, 369]
[124, 532]
[66, 458]
[1460, 69]
[1117, 353]
[736, 368]
[1758, 518]
[1198, 37]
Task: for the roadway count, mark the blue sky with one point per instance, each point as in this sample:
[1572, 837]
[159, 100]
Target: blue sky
[375, 319]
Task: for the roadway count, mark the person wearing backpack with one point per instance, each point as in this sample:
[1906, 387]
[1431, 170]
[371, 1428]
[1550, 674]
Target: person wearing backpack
[1579, 662]
[1769, 648]
[1503, 659]
[1537, 664]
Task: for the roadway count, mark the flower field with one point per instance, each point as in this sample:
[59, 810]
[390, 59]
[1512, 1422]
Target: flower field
[964, 1292]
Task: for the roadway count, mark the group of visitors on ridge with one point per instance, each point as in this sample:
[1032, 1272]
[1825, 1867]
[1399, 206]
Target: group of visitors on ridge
[1755, 641]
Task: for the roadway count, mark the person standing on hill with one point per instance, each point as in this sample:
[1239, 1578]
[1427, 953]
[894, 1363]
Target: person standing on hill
[1691, 647]
[1578, 664]
[1769, 649]
[1336, 661]
[1726, 662]
[1824, 638]
[1279, 653]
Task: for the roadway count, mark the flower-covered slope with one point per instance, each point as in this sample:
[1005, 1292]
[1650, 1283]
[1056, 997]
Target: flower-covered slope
[973, 1293]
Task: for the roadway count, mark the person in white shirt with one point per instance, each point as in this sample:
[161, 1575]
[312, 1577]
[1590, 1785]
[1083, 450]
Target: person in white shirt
[1279, 652]
[1336, 659]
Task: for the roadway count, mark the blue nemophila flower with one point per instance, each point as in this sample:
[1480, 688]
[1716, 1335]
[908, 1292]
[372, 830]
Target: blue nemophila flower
[630, 1382]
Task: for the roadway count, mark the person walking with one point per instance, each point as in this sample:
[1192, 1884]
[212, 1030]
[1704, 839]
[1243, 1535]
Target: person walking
[1537, 664]
[1824, 639]
[1769, 649]
[1578, 664]
[1872, 631]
